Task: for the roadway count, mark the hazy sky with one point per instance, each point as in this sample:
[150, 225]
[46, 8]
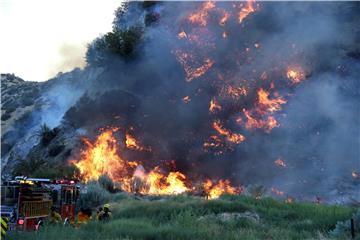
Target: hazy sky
[39, 38]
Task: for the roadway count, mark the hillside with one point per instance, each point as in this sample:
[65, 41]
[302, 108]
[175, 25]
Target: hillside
[26, 106]
[230, 217]
[230, 94]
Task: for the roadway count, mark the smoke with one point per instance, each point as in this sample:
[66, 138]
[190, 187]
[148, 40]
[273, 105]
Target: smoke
[316, 133]
[70, 56]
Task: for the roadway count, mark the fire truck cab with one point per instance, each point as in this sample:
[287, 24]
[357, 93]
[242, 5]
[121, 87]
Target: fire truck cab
[27, 201]
[64, 196]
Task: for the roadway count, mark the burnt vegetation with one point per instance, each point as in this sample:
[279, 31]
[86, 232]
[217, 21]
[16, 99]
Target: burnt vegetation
[46, 134]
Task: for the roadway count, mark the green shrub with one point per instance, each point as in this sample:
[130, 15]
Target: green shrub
[106, 182]
[256, 191]
[61, 171]
[170, 218]
[343, 227]
[121, 43]
[96, 195]
[27, 166]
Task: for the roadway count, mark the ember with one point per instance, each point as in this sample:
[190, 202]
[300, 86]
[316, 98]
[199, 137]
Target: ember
[295, 74]
[186, 99]
[289, 200]
[279, 162]
[214, 106]
[277, 191]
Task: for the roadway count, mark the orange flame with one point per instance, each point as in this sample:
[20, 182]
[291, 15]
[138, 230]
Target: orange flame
[159, 184]
[182, 34]
[246, 10]
[214, 105]
[231, 137]
[224, 19]
[132, 143]
[214, 191]
[200, 17]
[102, 158]
[269, 105]
[191, 66]
[253, 123]
[295, 74]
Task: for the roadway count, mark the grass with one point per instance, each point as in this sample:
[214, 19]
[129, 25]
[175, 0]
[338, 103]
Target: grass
[178, 218]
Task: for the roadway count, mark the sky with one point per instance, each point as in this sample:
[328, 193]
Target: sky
[40, 38]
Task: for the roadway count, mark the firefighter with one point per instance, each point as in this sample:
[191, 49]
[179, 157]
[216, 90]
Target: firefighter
[55, 217]
[98, 212]
[105, 214]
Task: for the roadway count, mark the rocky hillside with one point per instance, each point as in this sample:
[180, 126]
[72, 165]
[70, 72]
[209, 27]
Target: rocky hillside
[28, 107]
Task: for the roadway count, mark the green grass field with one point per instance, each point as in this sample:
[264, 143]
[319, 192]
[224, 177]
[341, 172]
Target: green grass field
[182, 217]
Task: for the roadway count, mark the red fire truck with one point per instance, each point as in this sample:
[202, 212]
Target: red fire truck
[27, 201]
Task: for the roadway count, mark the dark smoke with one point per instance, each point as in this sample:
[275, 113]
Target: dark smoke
[318, 136]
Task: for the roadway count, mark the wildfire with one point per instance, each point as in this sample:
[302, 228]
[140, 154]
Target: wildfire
[191, 66]
[186, 99]
[214, 143]
[295, 74]
[214, 106]
[182, 34]
[252, 123]
[132, 143]
[233, 92]
[277, 191]
[279, 162]
[214, 191]
[200, 17]
[289, 200]
[355, 174]
[224, 19]
[102, 157]
[231, 137]
[159, 184]
[246, 10]
[269, 105]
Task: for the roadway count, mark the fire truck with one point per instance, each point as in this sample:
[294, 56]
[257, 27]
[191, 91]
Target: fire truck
[27, 201]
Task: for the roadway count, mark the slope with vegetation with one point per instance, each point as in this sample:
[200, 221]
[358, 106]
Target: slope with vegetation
[185, 217]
